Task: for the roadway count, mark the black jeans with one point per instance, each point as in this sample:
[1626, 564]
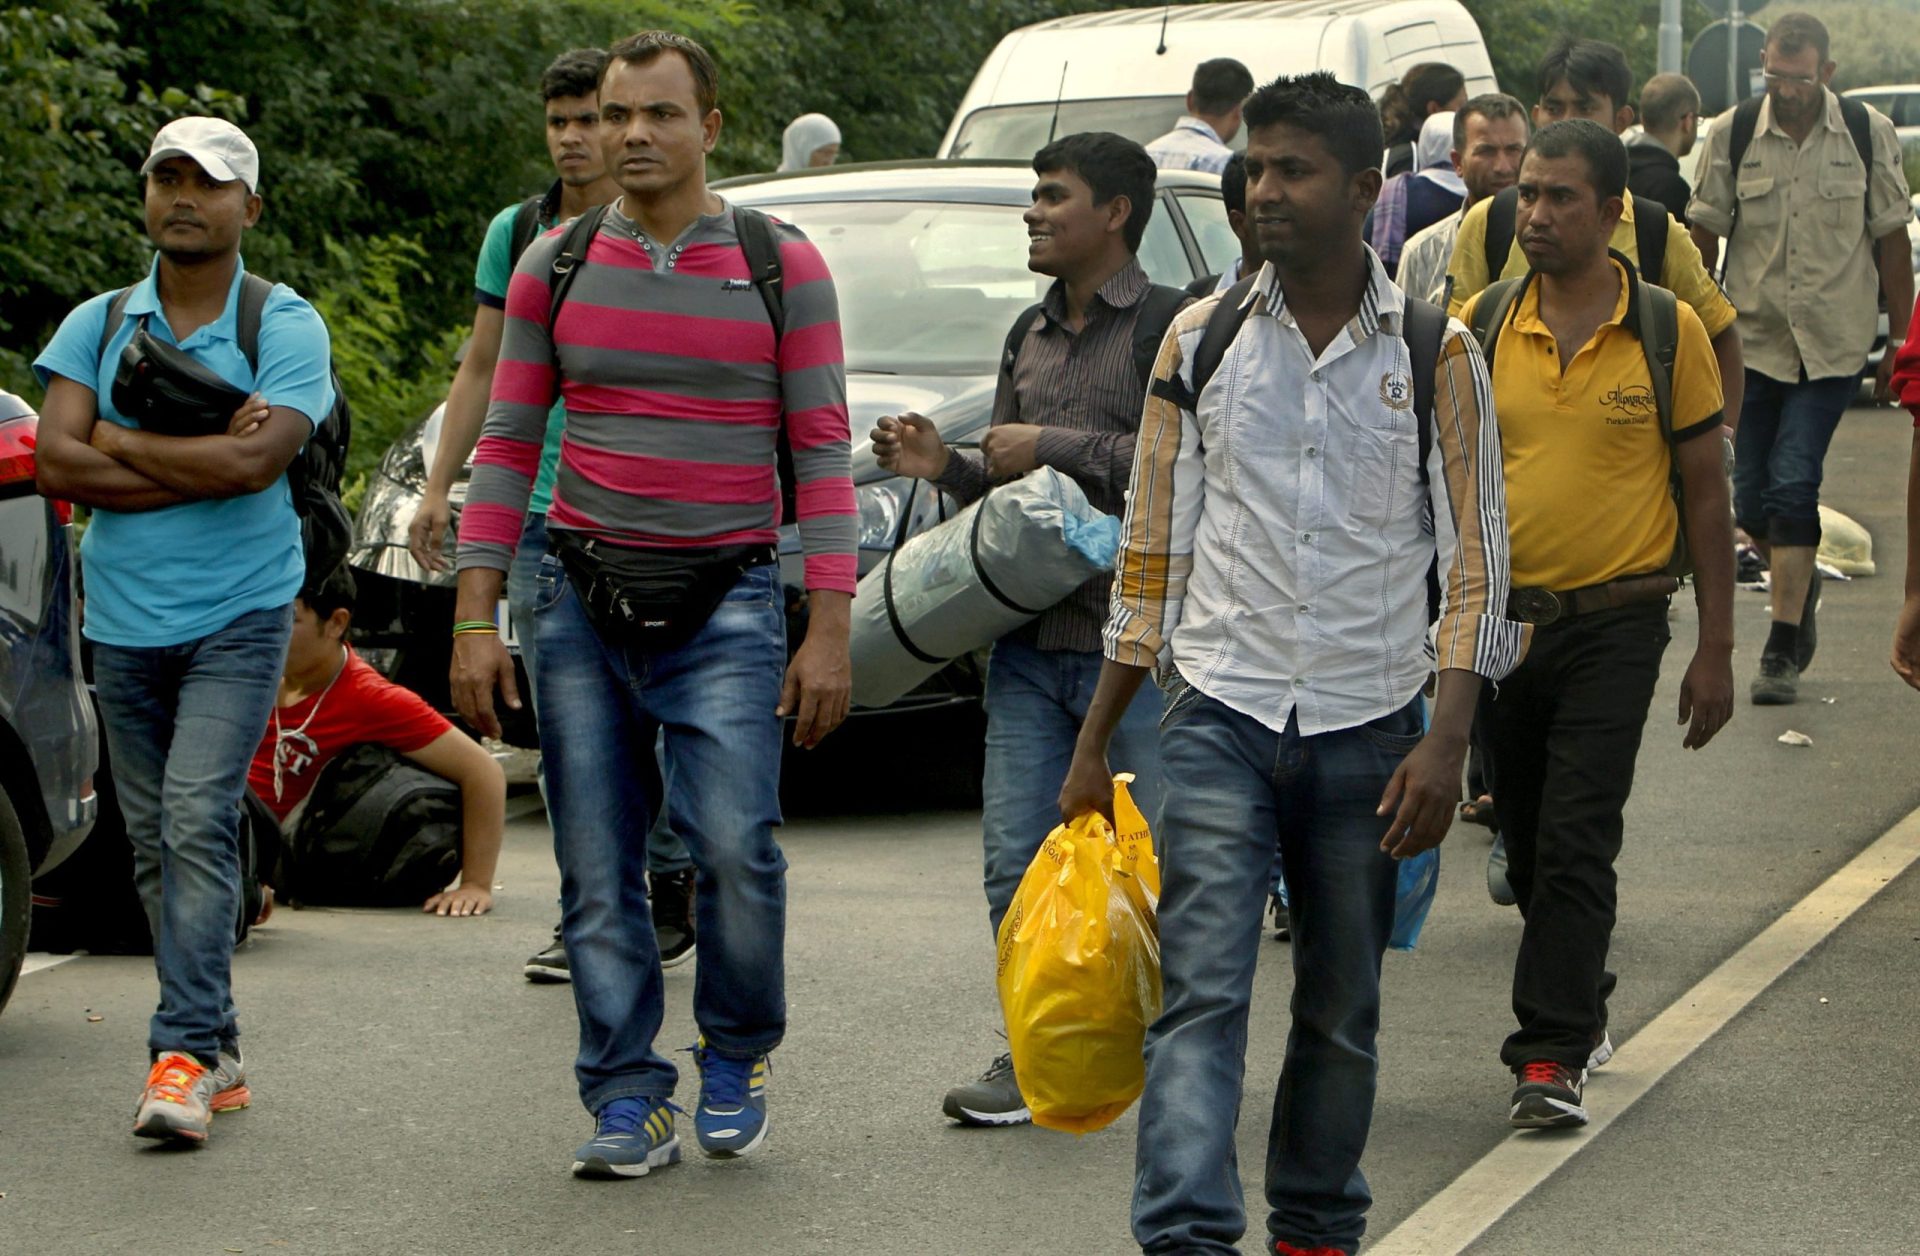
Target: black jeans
[1562, 733]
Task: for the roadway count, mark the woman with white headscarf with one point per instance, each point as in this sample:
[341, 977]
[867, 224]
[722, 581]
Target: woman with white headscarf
[1409, 203]
[811, 139]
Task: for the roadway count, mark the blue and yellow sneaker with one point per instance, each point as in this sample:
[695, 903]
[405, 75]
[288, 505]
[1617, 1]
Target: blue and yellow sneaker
[631, 1139]
[732, 1117]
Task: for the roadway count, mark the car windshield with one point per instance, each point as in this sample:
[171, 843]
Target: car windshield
[1021, 130]
[925, 288]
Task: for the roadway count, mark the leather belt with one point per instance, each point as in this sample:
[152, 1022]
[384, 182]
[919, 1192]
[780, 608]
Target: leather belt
[1544, 606]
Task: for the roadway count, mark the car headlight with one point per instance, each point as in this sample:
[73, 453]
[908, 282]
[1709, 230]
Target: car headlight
[880, 508]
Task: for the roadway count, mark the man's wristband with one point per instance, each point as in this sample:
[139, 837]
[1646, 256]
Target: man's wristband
[466, 626]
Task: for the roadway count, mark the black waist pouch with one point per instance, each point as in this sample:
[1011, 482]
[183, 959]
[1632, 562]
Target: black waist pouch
[164, 390]
[652, 600]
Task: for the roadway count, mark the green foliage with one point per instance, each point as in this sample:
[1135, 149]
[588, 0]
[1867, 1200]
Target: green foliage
[1872, 44]
[1519, 32]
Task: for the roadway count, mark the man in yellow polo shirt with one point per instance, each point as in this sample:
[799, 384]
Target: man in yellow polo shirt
[1593, 525]
[1585, 78]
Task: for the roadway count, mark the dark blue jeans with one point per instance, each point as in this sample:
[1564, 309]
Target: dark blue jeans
[182, 724]
[1036, 701]
[1779, 452]
[1233, 788]
[665, 851]
[715, 698]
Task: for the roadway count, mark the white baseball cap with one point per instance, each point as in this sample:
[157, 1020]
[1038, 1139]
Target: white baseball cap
[222, 149]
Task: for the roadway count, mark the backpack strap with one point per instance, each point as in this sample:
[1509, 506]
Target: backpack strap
[1017, 336]
[1745, 118]
[526, 226]
[1657, 322]
[762, 249]
[254, 292]
[1423, 326]
[1229, 312]
[1860, 127]
[1650, 219]
[1502, 212]
[116, 315]
[1490, 315]
[1157, 309]
[571, 257]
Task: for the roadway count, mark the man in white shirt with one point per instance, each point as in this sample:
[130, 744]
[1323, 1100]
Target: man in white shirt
[1489, 139]
[1200, 139]
[1274, 569]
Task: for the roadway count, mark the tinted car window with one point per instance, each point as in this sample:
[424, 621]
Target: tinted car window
[1020, 131]
[1207, 217]
[1162, 254]
[924, 287]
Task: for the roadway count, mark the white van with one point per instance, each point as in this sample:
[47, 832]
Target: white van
[1129, 71]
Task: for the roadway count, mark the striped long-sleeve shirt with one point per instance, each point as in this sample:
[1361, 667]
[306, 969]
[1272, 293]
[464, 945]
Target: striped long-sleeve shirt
[675, 394]
[1277, 541]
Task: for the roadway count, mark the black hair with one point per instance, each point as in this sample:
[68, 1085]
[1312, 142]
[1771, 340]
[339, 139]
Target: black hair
[642, 48]
[1112, 165]
[1600, 148]
[1790, 32]
[1233, 183]
[1404, 106]
[1220, 84]
[1588, 66]
[1342, 117]
[1493, 106]
[575, 72]
[337, 592]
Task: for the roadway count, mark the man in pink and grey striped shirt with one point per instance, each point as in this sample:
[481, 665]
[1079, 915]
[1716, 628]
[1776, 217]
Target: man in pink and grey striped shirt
[659, 604]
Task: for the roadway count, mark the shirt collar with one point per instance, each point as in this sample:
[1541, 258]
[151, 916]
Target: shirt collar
[1123, 289]
[1188, 122]
[1526, 312]
[1381, 305]
[145, 300]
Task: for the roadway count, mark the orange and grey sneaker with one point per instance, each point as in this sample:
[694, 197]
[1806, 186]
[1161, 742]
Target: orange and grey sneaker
[175, 1105]
[230, 1092]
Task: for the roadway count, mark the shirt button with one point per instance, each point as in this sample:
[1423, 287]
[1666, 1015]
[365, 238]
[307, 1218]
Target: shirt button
[1303, 610]
[1316, 377]
[1306, 538]
[1311, 451]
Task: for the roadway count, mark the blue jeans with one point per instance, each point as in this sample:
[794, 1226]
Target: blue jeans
[715, 698]
[1778, 454]
[183, 722]
[1036, 701]
[1234, 787]
[665, 851]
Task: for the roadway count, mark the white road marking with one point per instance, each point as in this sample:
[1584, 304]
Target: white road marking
[40, 961]
[1473, 1202]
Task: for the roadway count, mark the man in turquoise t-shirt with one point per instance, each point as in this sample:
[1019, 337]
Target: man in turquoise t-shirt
[192, 561]
[570, 90]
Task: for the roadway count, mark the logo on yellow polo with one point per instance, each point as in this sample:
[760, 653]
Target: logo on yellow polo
[1629, 406]
[1396, 391]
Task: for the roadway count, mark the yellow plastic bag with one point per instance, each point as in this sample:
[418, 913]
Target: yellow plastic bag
[1079, 969]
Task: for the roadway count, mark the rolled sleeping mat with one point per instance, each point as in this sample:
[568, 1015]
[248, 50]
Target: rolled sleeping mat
[973, 579]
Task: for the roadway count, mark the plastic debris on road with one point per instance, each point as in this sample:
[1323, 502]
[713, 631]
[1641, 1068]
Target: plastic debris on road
[1792, 738]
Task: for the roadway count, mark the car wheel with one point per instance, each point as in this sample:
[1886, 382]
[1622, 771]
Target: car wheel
[16, 901]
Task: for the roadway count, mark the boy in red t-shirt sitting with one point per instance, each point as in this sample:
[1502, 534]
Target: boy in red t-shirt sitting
[332, 700]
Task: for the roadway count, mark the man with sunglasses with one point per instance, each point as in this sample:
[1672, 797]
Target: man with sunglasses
[1814, 209]
[193, 558]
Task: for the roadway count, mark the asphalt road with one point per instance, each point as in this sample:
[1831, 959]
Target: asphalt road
[413, 1093]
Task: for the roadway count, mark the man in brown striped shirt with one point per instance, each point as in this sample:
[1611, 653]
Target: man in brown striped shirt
[1070, 396]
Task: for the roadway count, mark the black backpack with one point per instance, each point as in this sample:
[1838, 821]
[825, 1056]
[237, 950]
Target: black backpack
[378, 831]
[526, 226]
[314, 475]
[1650, 221]
[1425, 330]
[1157, 309]
[1654, 315]
[755, 231]
[1747, 117]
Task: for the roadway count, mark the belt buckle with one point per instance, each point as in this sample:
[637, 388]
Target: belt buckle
[1535, 606]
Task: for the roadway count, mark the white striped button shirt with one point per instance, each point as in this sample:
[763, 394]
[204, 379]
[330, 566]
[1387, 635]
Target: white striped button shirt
[1191, 145]
[1277, 541]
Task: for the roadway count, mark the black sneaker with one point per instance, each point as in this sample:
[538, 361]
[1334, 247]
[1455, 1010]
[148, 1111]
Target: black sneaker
[1282, 919]
[1778, 683]
[1748, 566]
[1803, 655]
[1548, 1097]
[993, 1100]
[672, 896]
[550, 964]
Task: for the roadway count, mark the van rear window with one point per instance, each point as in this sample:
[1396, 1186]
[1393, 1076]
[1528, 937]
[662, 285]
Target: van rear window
[1019, 131]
